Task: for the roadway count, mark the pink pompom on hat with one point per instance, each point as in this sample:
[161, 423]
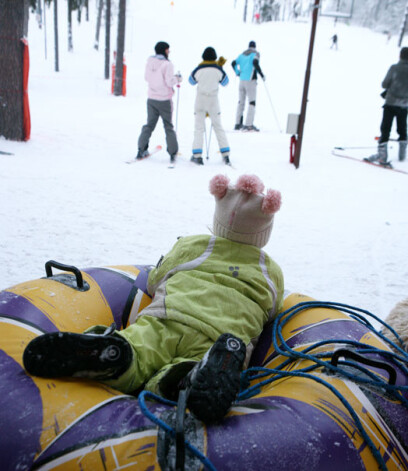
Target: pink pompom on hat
[242, 212]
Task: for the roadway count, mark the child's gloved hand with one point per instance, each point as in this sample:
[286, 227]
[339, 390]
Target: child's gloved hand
[221, 61]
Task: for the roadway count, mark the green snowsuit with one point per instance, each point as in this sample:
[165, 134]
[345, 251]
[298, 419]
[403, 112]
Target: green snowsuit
[205, 286]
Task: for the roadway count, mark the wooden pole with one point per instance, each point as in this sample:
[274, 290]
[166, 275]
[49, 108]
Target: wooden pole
[302, 116]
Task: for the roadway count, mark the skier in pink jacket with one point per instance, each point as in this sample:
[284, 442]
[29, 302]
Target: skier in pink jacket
[159, 74]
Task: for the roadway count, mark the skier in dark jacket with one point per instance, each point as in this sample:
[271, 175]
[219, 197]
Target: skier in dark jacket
[246, 66]
[396, 106]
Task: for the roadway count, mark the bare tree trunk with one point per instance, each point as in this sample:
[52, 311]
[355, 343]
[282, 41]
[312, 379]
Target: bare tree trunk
[107, 37]
[79, 12]
[45, 30]
[245, 10]
[87, 9]
[39, 13]
[98, 24]
[120, 49]
[70, 44]
[56, 35]
[12, 18]
[26, 16]
[403, 26]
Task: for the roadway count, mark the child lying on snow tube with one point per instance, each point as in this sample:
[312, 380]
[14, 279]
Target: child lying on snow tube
[212, 296]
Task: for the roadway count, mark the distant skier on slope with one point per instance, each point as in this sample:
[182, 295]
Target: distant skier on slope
[159, 74]
[396, 106]
[334, 39]
[246, 66]
[208, 76]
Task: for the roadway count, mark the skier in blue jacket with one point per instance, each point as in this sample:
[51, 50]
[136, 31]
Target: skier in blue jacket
[246, 66]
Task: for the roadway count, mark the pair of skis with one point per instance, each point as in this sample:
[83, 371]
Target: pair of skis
[338, 152]
[153, 151]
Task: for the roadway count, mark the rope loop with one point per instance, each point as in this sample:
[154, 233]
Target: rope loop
[320, 361]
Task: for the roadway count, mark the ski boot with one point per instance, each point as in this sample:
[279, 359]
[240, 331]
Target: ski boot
[197, 160]
[213, 384]
[226, 160]
[239, 125]
[142, 154]
[173, 158]
[251, 128]
[402, 152]
[60, 354]
[381, 156]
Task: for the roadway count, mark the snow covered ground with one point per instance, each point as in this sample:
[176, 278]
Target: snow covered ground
[67, 195]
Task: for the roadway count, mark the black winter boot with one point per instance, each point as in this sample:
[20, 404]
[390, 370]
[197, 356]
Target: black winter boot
[213, 383]
[60, 354]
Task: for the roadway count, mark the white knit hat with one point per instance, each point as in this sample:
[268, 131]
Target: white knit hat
[242, 213]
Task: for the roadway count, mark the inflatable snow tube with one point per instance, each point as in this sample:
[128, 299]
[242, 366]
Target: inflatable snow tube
[293, 422]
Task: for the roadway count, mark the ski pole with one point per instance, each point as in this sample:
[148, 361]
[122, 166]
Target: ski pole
[209, 142]
[178, 98]
[205, 138]
[273, 109]
[358, 147]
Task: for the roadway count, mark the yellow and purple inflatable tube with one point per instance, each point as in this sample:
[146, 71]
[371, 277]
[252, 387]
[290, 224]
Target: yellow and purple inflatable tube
[291, 424]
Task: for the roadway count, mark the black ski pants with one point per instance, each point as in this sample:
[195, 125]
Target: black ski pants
[390, 112]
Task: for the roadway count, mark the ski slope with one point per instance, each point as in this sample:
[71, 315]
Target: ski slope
[67, 194]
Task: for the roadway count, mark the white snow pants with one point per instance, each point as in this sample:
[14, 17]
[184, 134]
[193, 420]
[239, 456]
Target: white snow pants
[247, 89]
[208, 104]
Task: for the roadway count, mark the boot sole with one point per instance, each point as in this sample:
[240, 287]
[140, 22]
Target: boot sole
[216, 384]
[62, 354]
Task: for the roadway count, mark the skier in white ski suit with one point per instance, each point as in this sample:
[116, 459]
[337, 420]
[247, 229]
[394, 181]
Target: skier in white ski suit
[207, 76]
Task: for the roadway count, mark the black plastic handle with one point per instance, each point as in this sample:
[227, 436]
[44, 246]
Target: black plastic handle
[346, 353]
[61, 266]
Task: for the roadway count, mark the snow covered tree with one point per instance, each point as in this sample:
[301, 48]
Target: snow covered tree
[379, 15]
[13, 27]
[266, 10]
[269, 10]
[120, 49]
